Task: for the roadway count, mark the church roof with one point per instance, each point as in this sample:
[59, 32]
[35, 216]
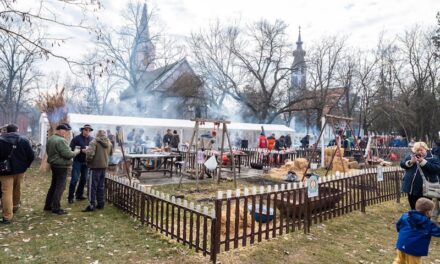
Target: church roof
[155, 80]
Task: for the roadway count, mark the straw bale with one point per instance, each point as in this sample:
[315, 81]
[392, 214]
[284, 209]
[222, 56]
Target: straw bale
[329, 153]
[353, 165]
[337, 166]
[243, 213]
[298, 166]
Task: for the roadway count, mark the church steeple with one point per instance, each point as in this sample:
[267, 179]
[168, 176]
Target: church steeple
[298, 78]
[143, 48]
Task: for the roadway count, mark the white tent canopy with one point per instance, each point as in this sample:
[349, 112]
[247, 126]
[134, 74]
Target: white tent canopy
[127, 122]
[163, 123]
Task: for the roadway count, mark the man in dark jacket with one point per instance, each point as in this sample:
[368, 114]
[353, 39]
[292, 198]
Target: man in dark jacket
[288, 141]
[18, 151]
[167, 138]
[175, 140]
[420, 159]
[59, 157]
[97, 160]
[79, 167]
[305, 142]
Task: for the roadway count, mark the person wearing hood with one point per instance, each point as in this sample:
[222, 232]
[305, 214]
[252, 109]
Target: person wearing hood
[18, 151]
[415, 231]
[97, 156]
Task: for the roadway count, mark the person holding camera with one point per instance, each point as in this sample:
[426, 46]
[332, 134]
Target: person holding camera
[420, 159]
[17, 155]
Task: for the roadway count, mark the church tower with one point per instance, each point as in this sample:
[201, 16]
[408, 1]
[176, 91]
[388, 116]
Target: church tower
[143, 54]
[298, 78]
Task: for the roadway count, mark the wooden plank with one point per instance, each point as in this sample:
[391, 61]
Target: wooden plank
[228, 223]
[205, 236]
[197, 231]
[281, 213]
[172, 221]
[245, 223]
[260, 214]
[167, 218]
[184, 225]
[237, 221]
[207, 120]
[253, 219]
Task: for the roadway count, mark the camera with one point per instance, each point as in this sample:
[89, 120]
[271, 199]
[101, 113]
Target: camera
[418, 156]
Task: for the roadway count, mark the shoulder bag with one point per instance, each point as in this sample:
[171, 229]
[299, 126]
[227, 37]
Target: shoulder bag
[430, 189]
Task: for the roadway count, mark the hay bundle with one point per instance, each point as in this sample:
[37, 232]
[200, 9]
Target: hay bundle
[353, 165]
[242, 214]
[56, 110]
[338, 166]
[298, 166]
[328, 153]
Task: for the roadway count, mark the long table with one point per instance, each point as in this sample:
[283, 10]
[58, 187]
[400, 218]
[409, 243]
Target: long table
[152, 162]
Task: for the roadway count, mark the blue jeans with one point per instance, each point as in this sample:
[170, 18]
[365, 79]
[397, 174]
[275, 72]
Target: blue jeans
[79, 170]
[96, 187]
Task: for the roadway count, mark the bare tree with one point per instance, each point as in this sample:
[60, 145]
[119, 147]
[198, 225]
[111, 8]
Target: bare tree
[36, 14]
[18, 72]
[249, 64]
[436, 36]
[121, 45]
[323, 64]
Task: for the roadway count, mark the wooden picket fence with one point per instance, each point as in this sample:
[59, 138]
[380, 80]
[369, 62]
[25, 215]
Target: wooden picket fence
[247, 216]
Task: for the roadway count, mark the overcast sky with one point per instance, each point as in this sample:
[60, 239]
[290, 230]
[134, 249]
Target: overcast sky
[361, 20]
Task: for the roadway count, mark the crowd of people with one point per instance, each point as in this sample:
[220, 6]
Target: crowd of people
[272, 143]
[138, 141]
[88, 157]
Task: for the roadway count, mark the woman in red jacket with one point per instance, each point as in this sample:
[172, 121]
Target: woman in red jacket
[262, 141]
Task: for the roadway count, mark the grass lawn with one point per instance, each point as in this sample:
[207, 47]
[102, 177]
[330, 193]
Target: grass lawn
[109, 236]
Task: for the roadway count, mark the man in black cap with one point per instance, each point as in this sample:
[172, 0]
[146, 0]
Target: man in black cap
[59, 156]
[79, 166]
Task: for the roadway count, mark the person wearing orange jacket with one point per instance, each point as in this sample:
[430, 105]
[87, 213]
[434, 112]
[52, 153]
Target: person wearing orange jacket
[271, 141]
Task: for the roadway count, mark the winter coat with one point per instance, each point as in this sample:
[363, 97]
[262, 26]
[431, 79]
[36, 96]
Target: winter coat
[262, 141]
[167, 139]
[412, 179]
[58, 152]
[22, 156]
[98, 153]
[280, 144]
[270, 143]
[305, 142]
[175, 140]
[436, 151]
[83, 142]
[288, 141]
[415, 231]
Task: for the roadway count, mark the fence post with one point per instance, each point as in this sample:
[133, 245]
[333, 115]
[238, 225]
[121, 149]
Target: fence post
[363, 186]
[143, 207]
[396, 176]
[215, 231]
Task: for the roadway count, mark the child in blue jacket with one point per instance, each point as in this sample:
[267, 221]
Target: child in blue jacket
[415, 230]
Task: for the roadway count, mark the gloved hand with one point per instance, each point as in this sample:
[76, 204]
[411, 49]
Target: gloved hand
[76, 151]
